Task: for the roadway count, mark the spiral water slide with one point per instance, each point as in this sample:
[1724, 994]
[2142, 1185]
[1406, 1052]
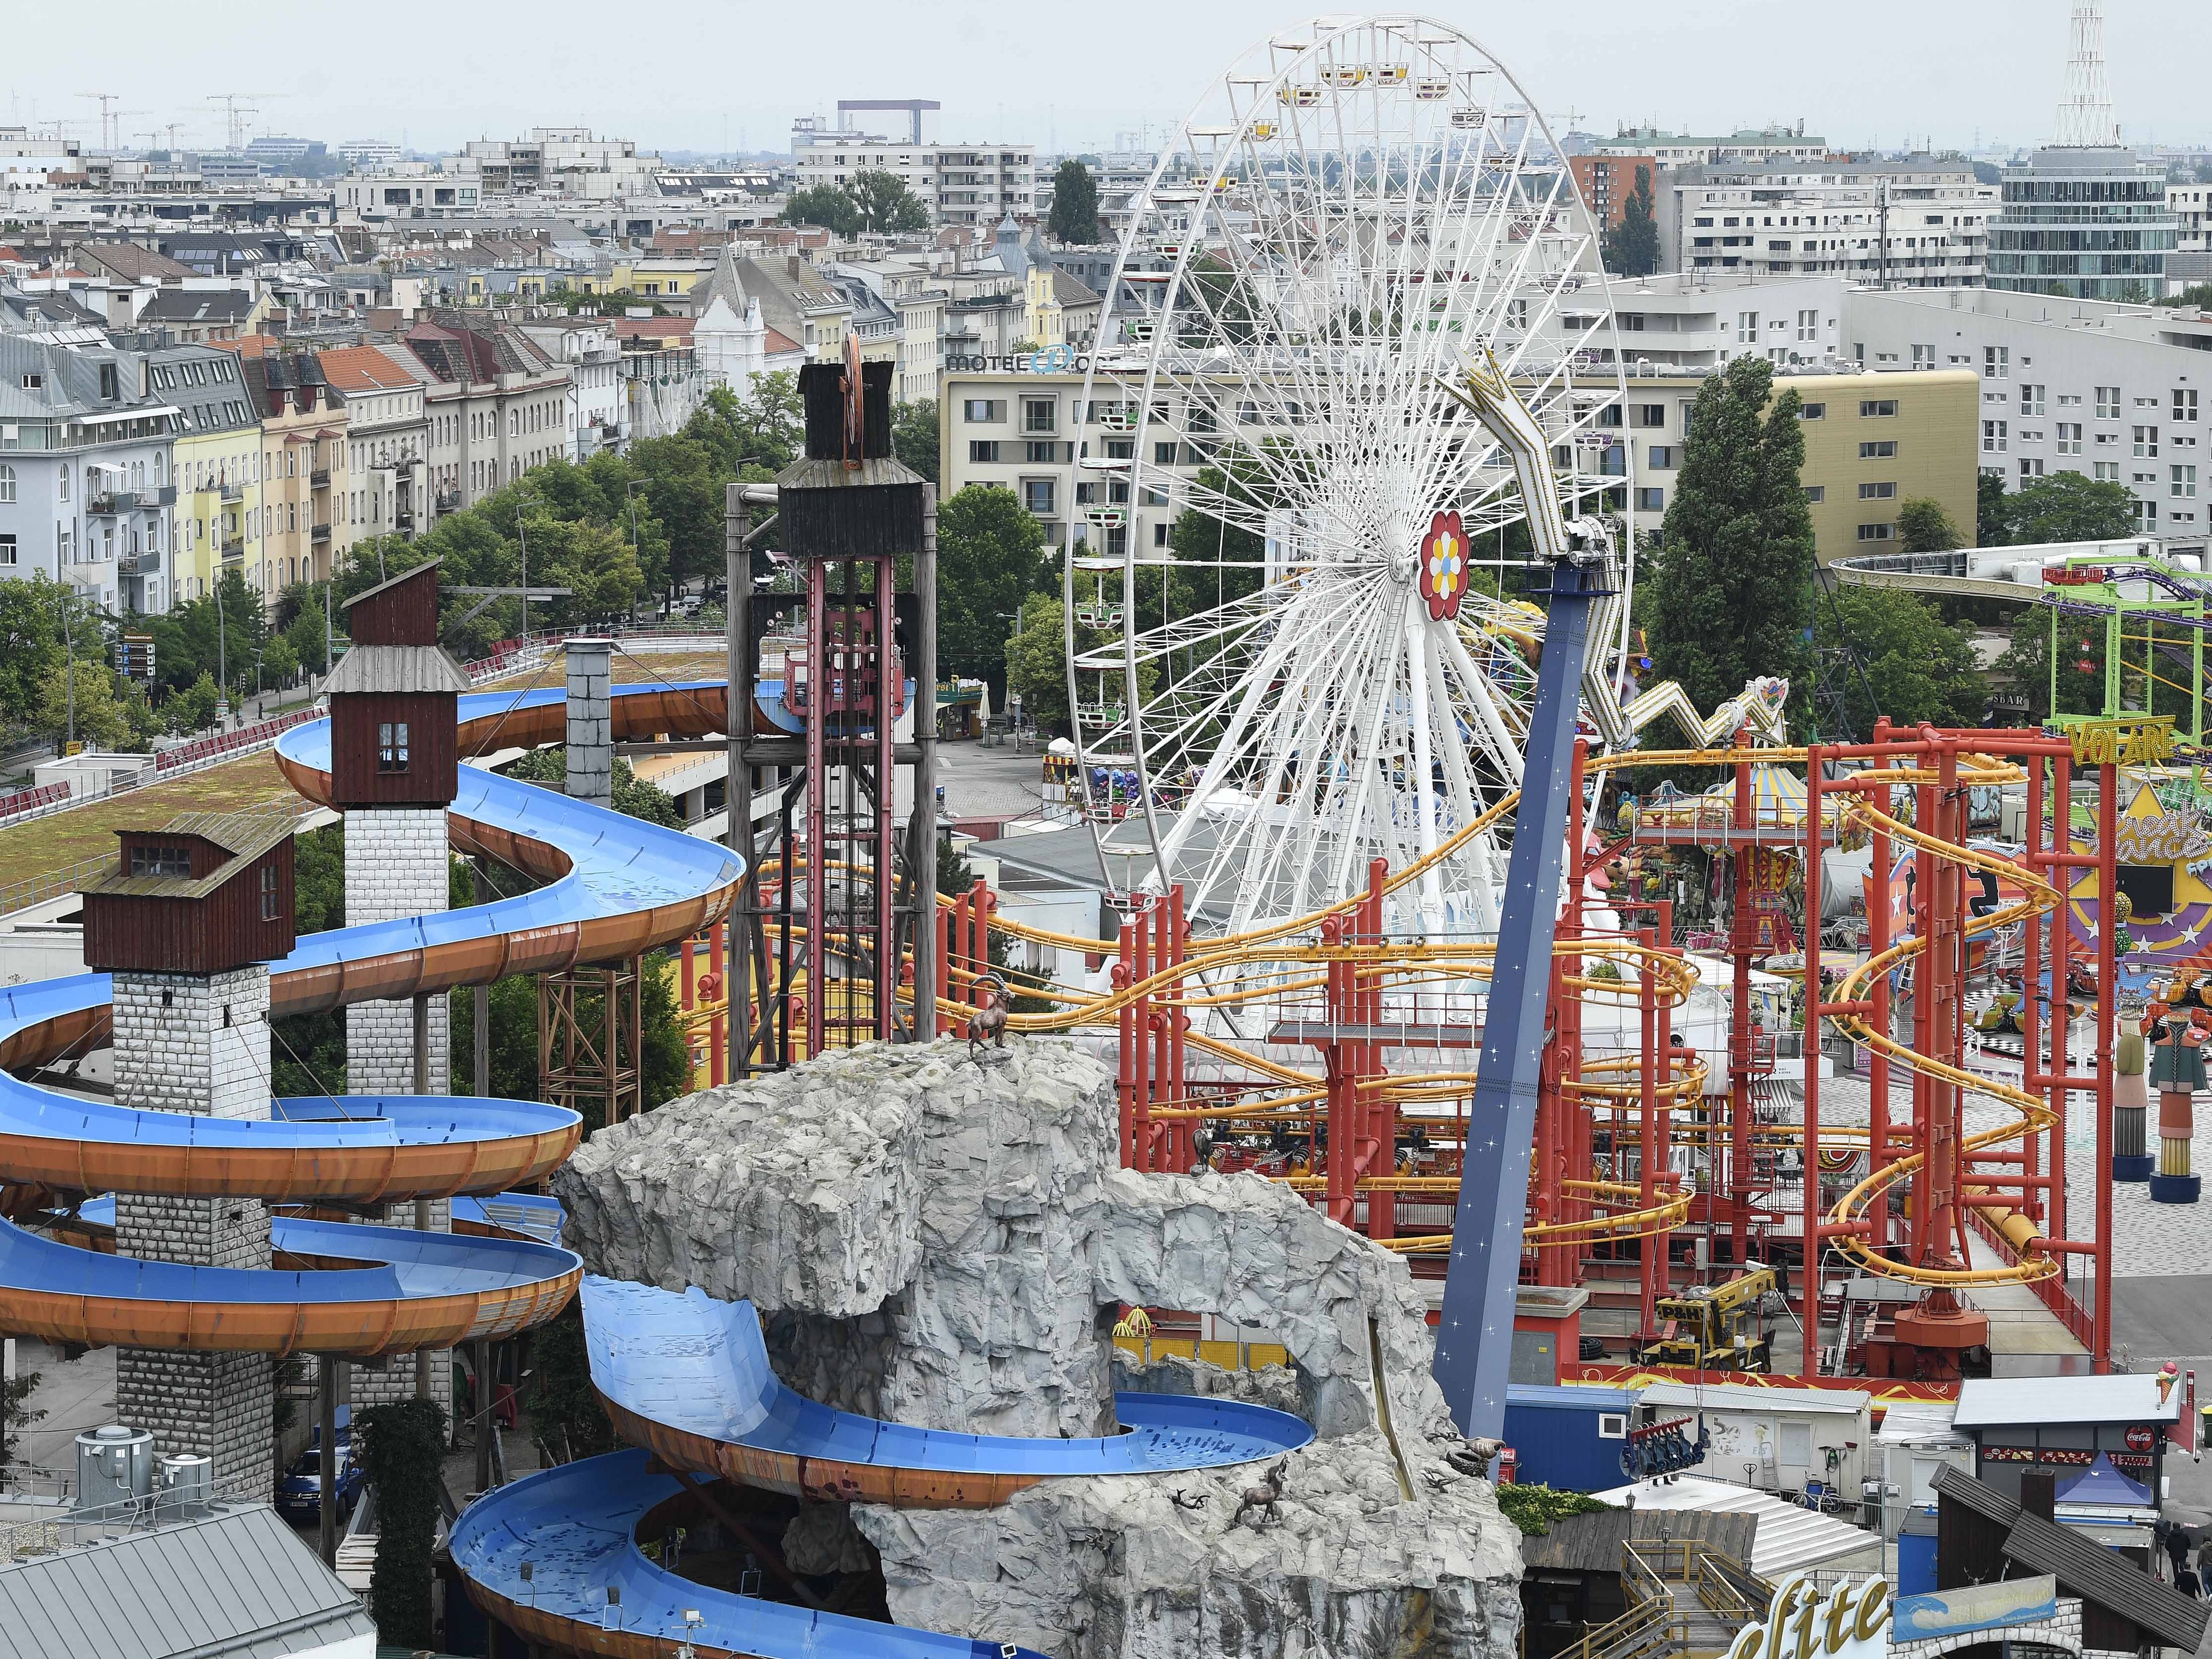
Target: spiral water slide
[686, 1376]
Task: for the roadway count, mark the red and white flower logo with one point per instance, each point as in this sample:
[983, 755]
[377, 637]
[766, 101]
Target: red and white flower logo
[1444, 565]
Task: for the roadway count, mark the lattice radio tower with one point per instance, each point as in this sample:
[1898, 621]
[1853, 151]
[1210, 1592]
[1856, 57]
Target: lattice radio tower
[2085, 115]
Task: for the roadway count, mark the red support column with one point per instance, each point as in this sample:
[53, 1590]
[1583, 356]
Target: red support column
[1179, 1023]
[2108, 797]
[2031, 972]
[1170, 1151]
[1743, 939]
[1652, 1250]
[1381, 1112]
[1808, 1278]
[1882, 1019]
[1123, 977]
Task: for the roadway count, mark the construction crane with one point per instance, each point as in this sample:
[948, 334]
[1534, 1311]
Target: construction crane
[1715, 1327]
[235, 106]
[107, 102]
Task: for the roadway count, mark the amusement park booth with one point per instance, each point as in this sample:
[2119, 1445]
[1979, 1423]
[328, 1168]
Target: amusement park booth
[2072, 1427]
[1778, 1439]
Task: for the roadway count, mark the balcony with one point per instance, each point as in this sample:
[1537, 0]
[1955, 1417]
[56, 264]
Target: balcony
[319, 478]
[231, 492]
[321, 533]
[110, 502]
[402, 518]
[234, 549]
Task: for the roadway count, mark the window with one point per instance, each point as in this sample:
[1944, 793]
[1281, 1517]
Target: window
[1813, 412]
[1746, 324]
[1647, 414]
[2108, 403]
[111, 383]
[2070, 438]
[1797, 1445]
[1882, 450]
[7, 550]
[2184, 405]
[272, 908]
[2031, 468]
[164, 860]
[392, 746]
[1996, 363]
[1808, 324]
[982, 449]
[64, 484]
[1815, 494]
[1650, 500]
[977, 410]
[1609, 415]
[1877, 492]
[1613, 1426]
[1036, 496]
[2107, 471]
[1046, 452]
[2183, 483]
[1121, 449]
[1875, 409]
[1996, 437]
[7, 483]
[2032, 399]
[1923, 356]
[1662, 458]
[1038, 414]
[1160, 533]
[2146, 515]
[1875, 533]
[2147, 440]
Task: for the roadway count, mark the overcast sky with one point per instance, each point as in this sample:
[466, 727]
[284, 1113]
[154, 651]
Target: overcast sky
[706, 73]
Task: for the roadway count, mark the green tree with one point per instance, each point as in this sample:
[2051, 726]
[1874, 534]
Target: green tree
[564, 1407]
[989, 554]
[1037, 662]
[1074, 217]
[2198, 297]
[402, 1447]
[1917, 668]
[31, 641]
[1923, 526]
[1730, 591]
[826, 205]
[83, 703]
[279, 661]
[1630, 247]
[2067, 507]
[193, 708]
[915, 436]
[1992, 515]
[884, 205]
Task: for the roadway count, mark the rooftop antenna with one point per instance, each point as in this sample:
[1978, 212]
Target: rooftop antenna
[2085, 114]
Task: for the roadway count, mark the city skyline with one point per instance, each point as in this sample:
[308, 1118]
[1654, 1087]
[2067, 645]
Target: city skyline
[1705, 66]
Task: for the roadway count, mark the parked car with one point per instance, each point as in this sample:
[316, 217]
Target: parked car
[299, 1493]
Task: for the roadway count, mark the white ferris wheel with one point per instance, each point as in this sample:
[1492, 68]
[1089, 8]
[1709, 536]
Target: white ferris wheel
[1268, 695]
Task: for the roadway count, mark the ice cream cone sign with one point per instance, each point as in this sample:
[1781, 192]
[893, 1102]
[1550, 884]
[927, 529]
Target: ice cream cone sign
[1444, 565]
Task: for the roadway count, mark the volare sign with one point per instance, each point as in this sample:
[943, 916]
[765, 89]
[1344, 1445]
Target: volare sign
[1851, 1623]
[2123, 743]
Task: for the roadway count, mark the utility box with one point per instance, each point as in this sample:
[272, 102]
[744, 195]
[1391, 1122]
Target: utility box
[114, 1467]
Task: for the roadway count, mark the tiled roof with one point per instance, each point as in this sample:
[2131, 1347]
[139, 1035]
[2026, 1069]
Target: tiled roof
[364, 369]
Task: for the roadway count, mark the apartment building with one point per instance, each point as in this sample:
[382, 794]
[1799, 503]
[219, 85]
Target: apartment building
[2190, 206]
[1871, 443]
[960, 184]
[495, 403]
[295, 529]
[593, 355]
[2119, 392]
[217, 452]
[1683, 149]
[1606, 180]
[387, 441]
[1912, 224]
[86, 448]
[920, 300]
[2084, 222]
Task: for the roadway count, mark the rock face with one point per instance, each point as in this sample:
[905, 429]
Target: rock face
[1124, 1569]
[947, 1243]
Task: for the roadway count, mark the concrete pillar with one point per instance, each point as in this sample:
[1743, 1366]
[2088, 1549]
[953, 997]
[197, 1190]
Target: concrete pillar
[199, 1044]
[396, 866]
[591, 721]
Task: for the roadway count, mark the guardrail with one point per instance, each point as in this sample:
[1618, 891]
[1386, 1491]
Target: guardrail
[191, 757]
[51, 1535]
[26, 802]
